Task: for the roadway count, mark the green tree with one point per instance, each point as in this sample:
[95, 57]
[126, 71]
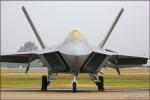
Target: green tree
[28, 46]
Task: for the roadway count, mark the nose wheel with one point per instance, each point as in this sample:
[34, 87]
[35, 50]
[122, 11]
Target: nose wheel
[74, 84]
[74, 87]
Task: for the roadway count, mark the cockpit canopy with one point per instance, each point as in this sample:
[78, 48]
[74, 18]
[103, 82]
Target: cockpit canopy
[76, 34]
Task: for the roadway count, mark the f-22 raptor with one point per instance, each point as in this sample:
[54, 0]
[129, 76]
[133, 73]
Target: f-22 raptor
[75, 55]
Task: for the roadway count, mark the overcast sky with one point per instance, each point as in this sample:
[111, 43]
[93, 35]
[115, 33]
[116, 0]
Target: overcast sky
[54, 20]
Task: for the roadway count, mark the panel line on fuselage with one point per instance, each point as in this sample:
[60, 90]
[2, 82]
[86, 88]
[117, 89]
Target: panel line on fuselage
[67, 66]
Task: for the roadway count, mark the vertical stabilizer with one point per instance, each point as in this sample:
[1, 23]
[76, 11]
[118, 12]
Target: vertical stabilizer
[101, 45]
[33, 27]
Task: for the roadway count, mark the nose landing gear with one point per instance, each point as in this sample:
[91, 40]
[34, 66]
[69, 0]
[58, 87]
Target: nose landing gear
[74, 84]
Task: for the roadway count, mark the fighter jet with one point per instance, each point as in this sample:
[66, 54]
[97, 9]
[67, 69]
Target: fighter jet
[75, 55]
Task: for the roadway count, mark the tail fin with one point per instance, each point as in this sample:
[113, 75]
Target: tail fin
[101, 45]
[33, 27]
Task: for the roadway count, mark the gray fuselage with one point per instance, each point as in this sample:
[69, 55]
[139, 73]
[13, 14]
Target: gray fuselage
[75, 52]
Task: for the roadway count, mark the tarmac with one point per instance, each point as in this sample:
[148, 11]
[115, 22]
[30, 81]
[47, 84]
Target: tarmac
[66, 93]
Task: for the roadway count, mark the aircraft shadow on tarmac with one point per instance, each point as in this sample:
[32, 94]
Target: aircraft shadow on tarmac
[78, 91]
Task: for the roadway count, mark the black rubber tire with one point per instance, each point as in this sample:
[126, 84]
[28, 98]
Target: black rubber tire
[74, 87]
[44, 83]
[100, 85]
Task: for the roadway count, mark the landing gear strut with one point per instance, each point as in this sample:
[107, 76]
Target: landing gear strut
[74, 84]
[44, 83]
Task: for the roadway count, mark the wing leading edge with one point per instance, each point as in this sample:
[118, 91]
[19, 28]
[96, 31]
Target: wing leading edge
[19, 57]
[124, 61]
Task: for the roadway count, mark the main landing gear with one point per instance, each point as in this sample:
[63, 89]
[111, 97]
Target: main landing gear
[100, 84]
[46, 81]
[99, 81]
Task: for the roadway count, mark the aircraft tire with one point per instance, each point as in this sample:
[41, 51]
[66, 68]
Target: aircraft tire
[100, 85]
[44, 83]
[74, 87]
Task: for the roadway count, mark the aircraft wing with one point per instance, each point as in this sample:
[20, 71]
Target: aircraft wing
[101, 58]
[123, 61]
[24, 57]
